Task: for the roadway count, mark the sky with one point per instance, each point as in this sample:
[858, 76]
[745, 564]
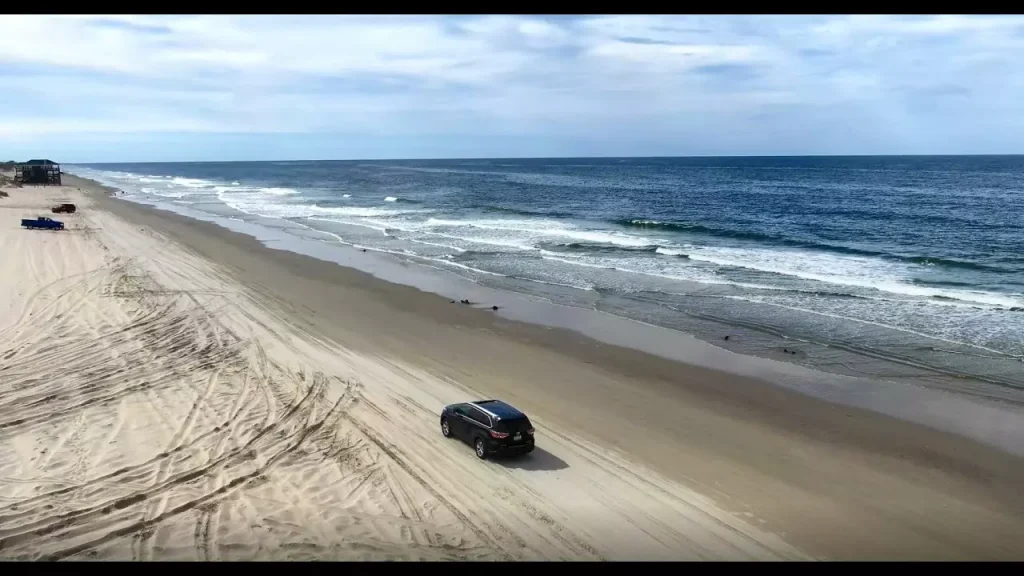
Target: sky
[82, 89]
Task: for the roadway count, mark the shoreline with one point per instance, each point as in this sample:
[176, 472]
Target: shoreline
[828, 476]
[993, 422]
[889, 332]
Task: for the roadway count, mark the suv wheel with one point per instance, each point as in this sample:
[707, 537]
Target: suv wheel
[481, 449]
[445, 429]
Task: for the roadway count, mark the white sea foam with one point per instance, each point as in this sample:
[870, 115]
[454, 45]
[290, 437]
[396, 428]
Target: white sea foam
[238, 189]
[391, 199]
[489, 241]
[260, 202]
[192, 182]
[540, 230]
[854, 271]
[165, 193]
[364, 212]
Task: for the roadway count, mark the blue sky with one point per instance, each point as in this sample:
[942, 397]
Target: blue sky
[175, 88]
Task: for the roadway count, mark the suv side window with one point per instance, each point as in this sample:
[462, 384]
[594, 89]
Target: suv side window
[462, 409]
[480, 417]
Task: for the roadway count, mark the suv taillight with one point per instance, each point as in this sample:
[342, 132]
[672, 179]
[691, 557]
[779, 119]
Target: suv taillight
[496, 434]
[530, 431]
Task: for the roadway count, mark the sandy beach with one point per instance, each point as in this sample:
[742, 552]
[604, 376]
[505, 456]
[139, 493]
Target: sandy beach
[172, 390]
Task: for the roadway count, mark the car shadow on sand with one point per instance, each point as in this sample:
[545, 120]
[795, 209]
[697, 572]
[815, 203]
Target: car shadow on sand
[537, 460]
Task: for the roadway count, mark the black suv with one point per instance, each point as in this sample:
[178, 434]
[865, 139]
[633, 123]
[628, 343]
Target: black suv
[490, 426]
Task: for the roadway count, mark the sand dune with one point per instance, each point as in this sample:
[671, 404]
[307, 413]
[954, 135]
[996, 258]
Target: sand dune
[153, 408]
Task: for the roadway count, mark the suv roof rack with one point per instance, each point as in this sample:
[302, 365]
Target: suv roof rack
[499, 409]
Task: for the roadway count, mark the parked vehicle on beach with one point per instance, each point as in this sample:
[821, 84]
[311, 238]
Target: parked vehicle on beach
[491, 427]
[43, 222]
[67, 208]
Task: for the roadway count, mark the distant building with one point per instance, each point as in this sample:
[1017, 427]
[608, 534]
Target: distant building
[46, 172]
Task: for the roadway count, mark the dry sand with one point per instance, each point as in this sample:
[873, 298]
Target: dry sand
[172, 390]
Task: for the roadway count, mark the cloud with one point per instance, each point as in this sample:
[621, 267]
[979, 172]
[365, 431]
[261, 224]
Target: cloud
[668, 84]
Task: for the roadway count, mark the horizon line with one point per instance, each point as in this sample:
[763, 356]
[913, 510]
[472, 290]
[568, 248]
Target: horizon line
[559, 158]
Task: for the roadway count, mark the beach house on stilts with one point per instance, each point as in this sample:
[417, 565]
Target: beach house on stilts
[45, 172]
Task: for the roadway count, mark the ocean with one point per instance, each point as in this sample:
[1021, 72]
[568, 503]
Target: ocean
[893, 268]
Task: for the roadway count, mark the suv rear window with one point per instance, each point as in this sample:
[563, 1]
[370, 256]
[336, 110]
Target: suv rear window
[514, 425]
[480, 417]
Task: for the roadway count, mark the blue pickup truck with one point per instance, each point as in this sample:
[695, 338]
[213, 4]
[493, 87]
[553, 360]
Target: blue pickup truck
[43, 222]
